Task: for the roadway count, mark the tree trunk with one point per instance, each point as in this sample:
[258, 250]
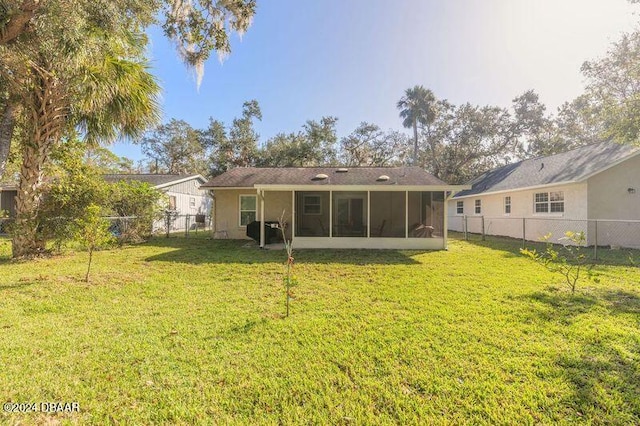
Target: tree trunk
[7, 124]
[415, 142]
[86, 277]
[25, 238]
[46, 119]
[19, 21]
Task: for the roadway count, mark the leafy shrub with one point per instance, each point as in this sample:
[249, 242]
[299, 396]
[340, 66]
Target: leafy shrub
[570, 261]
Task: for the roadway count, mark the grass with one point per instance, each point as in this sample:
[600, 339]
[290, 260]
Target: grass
[181, 331]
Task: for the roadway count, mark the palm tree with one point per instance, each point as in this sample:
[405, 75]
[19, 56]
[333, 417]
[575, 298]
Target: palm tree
[417, 106]
[102, 91]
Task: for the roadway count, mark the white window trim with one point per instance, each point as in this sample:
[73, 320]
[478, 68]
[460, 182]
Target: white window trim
[475, 211]
[240, 225]
[548, 213]
[458, 213]
[504, 205]
[304, 204]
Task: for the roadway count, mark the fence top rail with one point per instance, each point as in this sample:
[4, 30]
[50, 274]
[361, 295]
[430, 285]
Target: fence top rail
[558, 219]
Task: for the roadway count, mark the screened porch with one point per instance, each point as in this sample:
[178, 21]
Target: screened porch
[367, 215]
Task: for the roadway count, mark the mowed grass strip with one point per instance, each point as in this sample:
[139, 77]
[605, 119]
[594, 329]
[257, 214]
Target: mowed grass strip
[183, 331]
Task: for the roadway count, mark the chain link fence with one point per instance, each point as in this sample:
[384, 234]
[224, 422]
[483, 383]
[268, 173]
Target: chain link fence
[598, 233]
[126, 228]
[172, 222]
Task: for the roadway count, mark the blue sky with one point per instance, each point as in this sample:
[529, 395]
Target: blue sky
[353, 59]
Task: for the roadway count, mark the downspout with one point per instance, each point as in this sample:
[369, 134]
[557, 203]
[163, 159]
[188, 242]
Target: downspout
[261, 199]
[214, 216]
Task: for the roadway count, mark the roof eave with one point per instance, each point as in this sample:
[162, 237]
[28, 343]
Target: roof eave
[177, 181]
[380, 187]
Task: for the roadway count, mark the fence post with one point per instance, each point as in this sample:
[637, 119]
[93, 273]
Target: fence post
[186, 226]
[524, 232]
[466, 228]
[595, 243]
[167, 220]
[482, 222]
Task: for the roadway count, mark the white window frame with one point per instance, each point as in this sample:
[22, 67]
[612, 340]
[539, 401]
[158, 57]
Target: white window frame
[477, 206]
[305, 204]
[240, 211]
[460, 208]
[552, 200]
[192, 202]
[507, 205]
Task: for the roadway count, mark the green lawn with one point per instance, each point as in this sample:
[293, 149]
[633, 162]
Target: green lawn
[191, 331]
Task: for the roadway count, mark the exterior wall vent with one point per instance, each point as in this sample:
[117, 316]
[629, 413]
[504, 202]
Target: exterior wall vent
[342, 170]
[382, 178]
[320, 176]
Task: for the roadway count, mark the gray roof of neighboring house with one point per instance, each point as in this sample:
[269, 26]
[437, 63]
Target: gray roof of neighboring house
[247, 177]
[151, 178]
[8, 186]
[571, 166]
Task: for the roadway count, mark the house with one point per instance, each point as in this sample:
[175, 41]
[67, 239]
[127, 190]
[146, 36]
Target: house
[184, 194]
[553, 194]
[8, 194]
[330, 207]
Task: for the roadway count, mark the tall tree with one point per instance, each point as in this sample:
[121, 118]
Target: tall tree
[417, 107]
[237, 147]
[613, 83]
[313, 146]
[65, 63]
[175, 148]
[466, 140]
[368, 145]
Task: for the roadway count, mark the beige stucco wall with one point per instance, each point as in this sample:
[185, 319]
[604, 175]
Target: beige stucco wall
[496, 222]
[614, 206]
[609, 197]
[226, 209]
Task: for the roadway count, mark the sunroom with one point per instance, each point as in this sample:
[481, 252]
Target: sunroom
[377, 208]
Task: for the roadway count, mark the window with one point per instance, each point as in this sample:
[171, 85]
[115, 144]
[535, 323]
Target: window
[460, 207]
[248, 205]
[507, 205]
[549, 202]
[172, 202]
[556, 202]
[192, 202]
[478, 206]
[312, 204]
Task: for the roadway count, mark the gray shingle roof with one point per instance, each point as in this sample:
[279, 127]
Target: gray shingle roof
[571, 166]
[247, 177]
[150, 178]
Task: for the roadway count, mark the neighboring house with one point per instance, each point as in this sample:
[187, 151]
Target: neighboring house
[329, 207]
[8, 194]
[184, 194]
[595, 182]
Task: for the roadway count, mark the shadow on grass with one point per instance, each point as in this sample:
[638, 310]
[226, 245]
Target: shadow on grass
[206, 250]
[566, 306]
[511, 248]
[604, 377]
[16, 285]
[605, 383]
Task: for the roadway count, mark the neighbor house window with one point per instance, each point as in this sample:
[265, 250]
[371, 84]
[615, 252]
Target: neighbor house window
[192, 202]
[460, 207]
[248, 205]
[478, 206]
[172, 202]
[549, 202]
[312, 204]
[556, 202]
[507, 205]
